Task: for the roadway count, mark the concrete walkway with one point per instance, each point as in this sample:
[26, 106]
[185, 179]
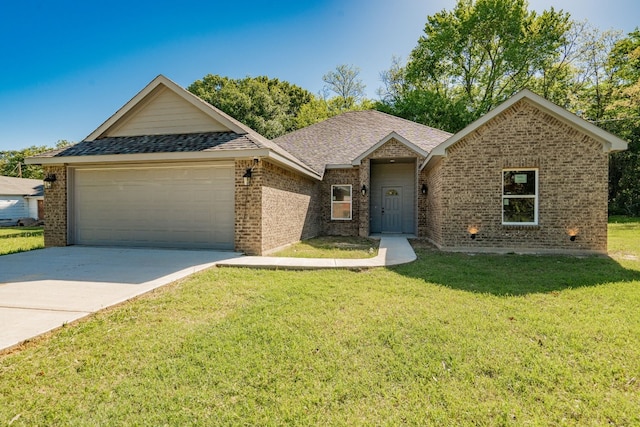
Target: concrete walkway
[43, 290]
[393, 250]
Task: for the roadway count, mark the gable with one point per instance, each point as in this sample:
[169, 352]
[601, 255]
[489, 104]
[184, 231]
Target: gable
[164, 108]
[390, 146]
[164, 112]
[608, 142]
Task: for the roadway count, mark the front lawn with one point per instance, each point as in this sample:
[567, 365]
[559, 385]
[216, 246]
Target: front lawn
[20, 239]
[332, 247]
[451, 339]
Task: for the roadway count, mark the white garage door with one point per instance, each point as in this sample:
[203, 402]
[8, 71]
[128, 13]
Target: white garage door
[162, 206]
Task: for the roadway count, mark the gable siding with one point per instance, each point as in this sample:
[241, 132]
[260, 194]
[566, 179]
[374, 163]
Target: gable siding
[573, 171]
[165, 113]
[13, 208]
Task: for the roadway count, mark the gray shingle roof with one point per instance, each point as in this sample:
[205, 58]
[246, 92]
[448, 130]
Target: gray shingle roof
[191, 142]
[11, 186]
[341, 139]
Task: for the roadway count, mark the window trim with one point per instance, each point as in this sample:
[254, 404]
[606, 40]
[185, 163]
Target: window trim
[535, 196]
[342, 201]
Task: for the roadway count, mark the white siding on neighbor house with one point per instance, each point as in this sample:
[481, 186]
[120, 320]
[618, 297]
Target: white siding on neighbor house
[13, 208]
[154, 206]
[32, 207]
[165, 113]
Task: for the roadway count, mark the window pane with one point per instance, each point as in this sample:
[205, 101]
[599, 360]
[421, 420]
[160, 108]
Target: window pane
[520, 183]
[341, 193]
[519, 210]
[341, 210]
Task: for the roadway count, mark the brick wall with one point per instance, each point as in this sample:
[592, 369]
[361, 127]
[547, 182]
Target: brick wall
[278, 207]
[573, 173]
[340, 227]
[430, 211]
[55, 208]
[248, 211]
[359, 225]
[290, 210]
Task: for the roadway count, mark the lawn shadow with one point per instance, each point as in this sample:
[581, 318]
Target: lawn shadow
[513, 274]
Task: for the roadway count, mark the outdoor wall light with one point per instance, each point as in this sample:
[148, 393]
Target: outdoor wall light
[473, 231]
[246, 178]
[573, 234]
[424, 189]
[364, 190]
[49, 180]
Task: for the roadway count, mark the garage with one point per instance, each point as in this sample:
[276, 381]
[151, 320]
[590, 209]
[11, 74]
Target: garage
[171, 205]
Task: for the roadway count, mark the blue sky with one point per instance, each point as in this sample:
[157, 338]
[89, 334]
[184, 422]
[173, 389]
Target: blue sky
[68, 65]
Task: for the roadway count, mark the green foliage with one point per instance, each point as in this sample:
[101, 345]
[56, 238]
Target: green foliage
[430, 108]
[344, 81]
[12, 161]
[622, 117]
[268, 106]
[320, 109]
[484, 51]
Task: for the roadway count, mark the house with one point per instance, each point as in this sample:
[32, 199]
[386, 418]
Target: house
[20, 198]
[169, 170]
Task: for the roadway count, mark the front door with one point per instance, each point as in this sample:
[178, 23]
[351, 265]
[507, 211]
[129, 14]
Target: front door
[392, 209]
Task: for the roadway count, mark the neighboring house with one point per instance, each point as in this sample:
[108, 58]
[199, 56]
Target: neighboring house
[20, 198]
[170, 170]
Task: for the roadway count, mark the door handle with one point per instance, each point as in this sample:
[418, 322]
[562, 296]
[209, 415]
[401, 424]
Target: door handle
[382, 211]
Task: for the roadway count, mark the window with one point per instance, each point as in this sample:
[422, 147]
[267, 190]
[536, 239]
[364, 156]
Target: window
[520, 197]
[341, 202]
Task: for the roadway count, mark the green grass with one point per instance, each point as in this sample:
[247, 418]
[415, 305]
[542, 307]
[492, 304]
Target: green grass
[20, 239]
[332, 247]
[10, 231]
[451, 339]
[624, 237]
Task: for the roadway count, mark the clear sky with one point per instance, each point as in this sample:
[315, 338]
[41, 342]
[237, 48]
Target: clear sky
[68, 65]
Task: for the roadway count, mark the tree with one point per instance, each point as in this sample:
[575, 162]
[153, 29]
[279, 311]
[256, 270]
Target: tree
[344, 82]
[268, 106]
[484, 51]
[622, 117]
[12, 161]
[320, 109]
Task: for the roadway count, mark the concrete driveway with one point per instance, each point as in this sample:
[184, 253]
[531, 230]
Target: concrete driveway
[43, 289]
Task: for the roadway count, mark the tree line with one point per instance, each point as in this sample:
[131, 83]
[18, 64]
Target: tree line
[468, 60]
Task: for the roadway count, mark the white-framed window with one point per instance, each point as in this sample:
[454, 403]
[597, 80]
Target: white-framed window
[520, 196]
[341, 202]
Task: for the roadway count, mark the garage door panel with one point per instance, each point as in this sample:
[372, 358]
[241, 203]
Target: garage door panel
[161, 206]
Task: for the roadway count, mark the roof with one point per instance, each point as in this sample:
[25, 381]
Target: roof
[610, 142]
[190, 142]
[10, 186]
[237, 139]
[342, 139]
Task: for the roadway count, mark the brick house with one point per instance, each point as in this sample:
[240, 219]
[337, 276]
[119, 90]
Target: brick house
[169, 170]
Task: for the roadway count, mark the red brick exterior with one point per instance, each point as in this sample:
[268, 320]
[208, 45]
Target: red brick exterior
[466, 186]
